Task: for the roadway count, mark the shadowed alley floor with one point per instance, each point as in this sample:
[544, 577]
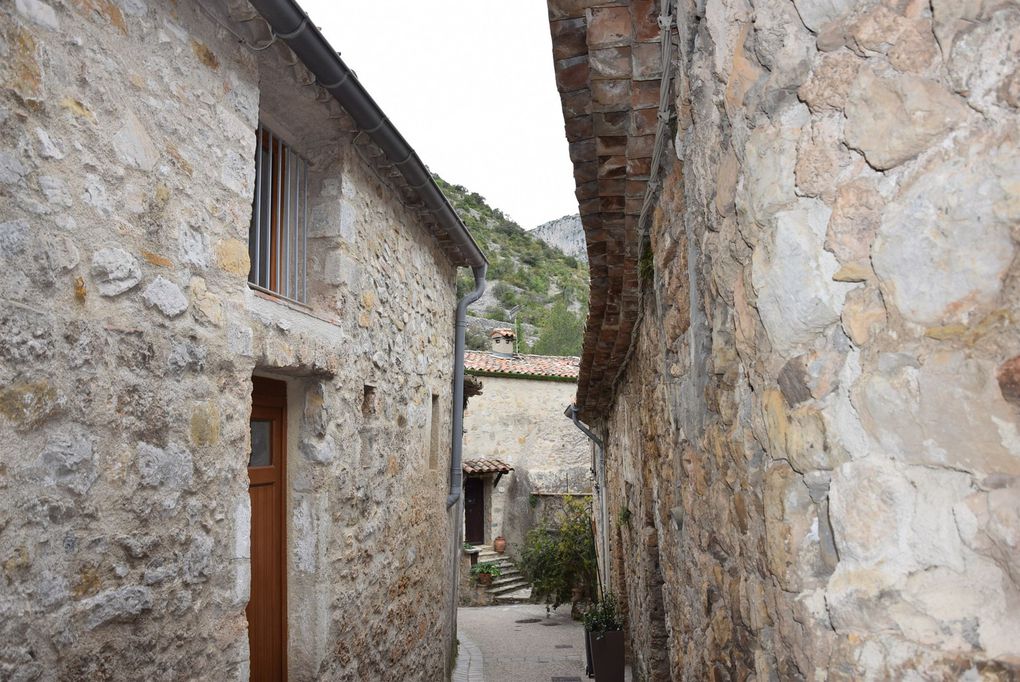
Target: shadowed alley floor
[519, 644]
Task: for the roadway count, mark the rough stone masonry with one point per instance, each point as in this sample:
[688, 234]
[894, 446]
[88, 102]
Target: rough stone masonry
[128, 339]
[812, 435]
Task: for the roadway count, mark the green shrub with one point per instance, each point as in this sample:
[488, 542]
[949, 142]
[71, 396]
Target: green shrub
[558, 557]
[603, 616]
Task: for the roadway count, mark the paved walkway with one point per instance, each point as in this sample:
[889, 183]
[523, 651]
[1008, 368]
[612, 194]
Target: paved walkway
[519, 644]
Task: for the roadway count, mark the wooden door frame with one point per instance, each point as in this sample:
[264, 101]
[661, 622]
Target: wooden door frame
[269, 396]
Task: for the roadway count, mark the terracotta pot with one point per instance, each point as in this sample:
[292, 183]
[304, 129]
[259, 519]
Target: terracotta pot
[484, 578]
[499, 544]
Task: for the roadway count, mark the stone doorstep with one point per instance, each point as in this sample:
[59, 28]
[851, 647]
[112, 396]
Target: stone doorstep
[521, 596]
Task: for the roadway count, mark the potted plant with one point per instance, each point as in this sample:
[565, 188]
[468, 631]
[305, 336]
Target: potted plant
[485, 572]
[603, 631]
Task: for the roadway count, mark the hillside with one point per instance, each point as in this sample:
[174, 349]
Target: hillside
[550, 287]
[565, 234]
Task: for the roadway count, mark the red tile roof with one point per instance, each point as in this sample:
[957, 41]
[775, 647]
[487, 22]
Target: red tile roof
[486, 466]
[553, 366]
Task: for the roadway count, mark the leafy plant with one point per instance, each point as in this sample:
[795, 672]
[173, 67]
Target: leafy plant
[486, 568]
[603, 616]
[558, 557]
[468, 547]
[532, 500]
[624, 515]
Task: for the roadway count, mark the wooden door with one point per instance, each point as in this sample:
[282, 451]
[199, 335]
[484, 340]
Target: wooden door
[474, 510]
[267, 479]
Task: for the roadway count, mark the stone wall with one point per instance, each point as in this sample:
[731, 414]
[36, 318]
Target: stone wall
[129, 338]
[812, 454]
[521, 422]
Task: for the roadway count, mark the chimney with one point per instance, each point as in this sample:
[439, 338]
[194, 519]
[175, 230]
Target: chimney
[502, 342]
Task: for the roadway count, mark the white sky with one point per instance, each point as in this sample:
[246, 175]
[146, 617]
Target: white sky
[470, 84]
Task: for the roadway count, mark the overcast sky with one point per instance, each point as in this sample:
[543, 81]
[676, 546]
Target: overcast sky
[470, 84]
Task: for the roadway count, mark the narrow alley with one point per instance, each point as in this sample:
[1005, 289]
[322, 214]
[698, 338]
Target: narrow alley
[369, 342]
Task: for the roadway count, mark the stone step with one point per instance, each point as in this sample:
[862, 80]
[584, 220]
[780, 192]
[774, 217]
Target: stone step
[506, 579]
[521, 596]
[510, 586]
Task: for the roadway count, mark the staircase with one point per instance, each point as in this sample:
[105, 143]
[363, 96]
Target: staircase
[510, 587]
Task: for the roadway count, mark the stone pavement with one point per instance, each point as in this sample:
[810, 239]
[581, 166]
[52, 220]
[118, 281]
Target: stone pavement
[494, 640]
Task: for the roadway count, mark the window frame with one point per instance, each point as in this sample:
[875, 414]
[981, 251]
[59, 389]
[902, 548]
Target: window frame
[278, 231]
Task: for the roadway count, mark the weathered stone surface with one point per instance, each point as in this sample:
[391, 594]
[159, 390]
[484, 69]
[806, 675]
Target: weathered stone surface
[133, 144]
[792, 274]
[69, 460]
[165, 296]
[856, 214]
[817, 13]
[955, 415]
[826, 469]
[120, 604]
[830, 82]
[892, 120]
[115, 271]
[977, 68]
[170, 466]
[945, 243]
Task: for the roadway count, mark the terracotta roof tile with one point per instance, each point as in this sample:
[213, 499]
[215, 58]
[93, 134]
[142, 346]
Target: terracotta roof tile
[522, 365]
[485, 466]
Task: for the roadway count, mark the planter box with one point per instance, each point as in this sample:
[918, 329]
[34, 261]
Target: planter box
[607, 656]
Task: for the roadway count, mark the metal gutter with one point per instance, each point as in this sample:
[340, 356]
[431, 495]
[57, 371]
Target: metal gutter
[291, 24]
[457, 449]
[600, 491]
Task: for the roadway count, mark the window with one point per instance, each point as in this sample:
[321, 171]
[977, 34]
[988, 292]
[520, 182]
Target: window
[278, 235]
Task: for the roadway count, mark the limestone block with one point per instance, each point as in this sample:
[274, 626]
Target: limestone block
[165, 296]
[133, 145]
[856, 215]
[792, 274]
[945, 244]
[789, 520]
[830, 82]
[38, 12]
[170, 467]
[817, 13]
[770, 158]
[115, 271]
[69, 461]
[821, 158]
[954, 16]
[193, 246]
[892, 120]
[979, 65]
[782, 44]
[871, 507]
[116, 604]
[946, 413]
[863, 314]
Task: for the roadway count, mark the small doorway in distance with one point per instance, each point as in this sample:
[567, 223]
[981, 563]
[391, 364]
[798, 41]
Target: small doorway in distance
[474, 510]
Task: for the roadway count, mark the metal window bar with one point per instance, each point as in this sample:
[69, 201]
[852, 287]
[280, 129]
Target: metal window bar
[278, 235]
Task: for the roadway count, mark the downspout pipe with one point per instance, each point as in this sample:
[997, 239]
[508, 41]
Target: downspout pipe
[291, 25]
[600, 484]
[457, 446]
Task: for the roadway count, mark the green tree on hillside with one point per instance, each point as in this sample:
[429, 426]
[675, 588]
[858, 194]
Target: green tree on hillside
[560, 333]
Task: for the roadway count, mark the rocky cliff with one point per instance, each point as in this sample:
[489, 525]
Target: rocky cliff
[565, 234]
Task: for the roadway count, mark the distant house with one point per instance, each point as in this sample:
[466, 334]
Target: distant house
[521, 455]
[227, 355]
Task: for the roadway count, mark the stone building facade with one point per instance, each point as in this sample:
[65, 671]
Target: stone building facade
[518, 419]
[129, 337]
[802, 221]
